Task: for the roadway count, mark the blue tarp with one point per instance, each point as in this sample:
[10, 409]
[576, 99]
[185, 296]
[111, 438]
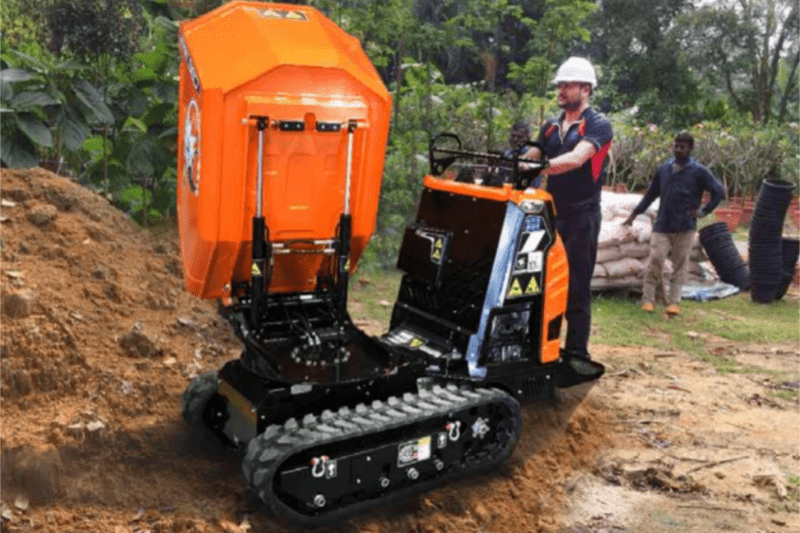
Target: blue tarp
[703, 292]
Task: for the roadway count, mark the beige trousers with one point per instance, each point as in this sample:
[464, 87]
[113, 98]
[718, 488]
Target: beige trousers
[676, 246]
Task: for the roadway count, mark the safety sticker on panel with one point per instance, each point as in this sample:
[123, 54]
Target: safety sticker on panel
[438, 243]
[407, 339]
[285, 14]
[529, 255]
[414, 451]
[526, 273]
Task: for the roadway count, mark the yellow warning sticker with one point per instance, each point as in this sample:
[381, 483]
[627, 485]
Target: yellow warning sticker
[255, 270]
[533, 287]
[436, 251]
[515, 290]
[416, 342]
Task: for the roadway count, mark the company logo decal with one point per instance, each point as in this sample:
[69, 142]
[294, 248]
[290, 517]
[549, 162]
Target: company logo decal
[191, 146]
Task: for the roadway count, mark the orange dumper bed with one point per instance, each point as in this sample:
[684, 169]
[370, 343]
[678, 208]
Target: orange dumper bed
[241, 63]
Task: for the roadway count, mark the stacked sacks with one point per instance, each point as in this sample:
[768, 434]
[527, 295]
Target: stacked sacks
[623, 251]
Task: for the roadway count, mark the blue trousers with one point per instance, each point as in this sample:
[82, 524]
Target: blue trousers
[579, 227]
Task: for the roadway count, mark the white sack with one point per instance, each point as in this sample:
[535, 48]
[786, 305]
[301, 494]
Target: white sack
[609, 253]
[637, 250]
[621, 268]
[599, 271]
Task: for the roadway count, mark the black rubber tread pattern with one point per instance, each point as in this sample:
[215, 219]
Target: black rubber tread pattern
[195, 398]
[269, 450]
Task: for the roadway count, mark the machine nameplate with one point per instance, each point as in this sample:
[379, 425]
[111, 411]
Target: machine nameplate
[409, 453]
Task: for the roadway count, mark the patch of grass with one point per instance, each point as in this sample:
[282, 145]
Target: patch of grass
[790, 504]
[786, 395]
[739, 319]
[723, 365]
[368, 289]
[619, 320]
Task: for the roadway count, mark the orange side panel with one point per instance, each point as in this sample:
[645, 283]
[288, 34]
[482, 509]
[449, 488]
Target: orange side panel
[555, 294]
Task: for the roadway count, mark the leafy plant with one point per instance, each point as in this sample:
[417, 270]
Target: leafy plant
[140, 150]
[20, 27]
[46, 104]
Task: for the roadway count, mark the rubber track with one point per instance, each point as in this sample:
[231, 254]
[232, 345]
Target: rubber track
[277, 443]
[196, 396]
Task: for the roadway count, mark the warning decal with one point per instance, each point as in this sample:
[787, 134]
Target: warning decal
[523, 285]
[533, 287]
[438, 243]
[436, 251]
[282, 14]
[526, 272]
[529, 256]
[516, 289]
[406, 339]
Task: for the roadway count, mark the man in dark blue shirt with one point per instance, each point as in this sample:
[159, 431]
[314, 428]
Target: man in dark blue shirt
[680, 183]
[576, 143]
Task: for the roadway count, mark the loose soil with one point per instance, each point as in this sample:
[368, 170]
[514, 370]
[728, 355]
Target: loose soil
[99, 339]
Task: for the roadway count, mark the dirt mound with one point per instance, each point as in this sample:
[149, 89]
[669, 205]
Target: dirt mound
[99, 339]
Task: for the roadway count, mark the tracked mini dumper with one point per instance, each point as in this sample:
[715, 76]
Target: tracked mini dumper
[284, 129]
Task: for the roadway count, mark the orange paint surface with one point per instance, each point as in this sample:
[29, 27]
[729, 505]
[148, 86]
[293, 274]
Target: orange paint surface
[293, 65]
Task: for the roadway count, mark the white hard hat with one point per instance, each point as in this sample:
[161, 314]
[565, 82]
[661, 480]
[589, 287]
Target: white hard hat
[576, 69]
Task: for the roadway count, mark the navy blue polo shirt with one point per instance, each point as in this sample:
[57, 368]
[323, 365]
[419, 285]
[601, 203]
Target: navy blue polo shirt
[581, 185]
[681, 193]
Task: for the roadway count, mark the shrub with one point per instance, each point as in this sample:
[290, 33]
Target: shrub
[740, 156]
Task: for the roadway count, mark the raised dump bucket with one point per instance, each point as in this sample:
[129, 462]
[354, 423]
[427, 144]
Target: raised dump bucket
[240, 63]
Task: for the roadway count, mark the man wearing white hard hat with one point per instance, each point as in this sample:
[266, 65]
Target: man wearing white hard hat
[576, 143]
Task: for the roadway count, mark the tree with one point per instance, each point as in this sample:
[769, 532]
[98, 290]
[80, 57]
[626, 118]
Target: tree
[749, 47]
[644, 63]
[553, 30]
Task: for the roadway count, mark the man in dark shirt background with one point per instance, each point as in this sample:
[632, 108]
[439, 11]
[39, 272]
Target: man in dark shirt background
[680, 183]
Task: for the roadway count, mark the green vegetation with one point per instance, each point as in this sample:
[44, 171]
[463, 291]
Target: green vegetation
[791, 501]
[374, 292]
[785, 395]
[91, 84]
[619, 321]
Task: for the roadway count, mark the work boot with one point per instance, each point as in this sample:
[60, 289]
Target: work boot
[673, 310]
[648, 307]
[579, 368]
